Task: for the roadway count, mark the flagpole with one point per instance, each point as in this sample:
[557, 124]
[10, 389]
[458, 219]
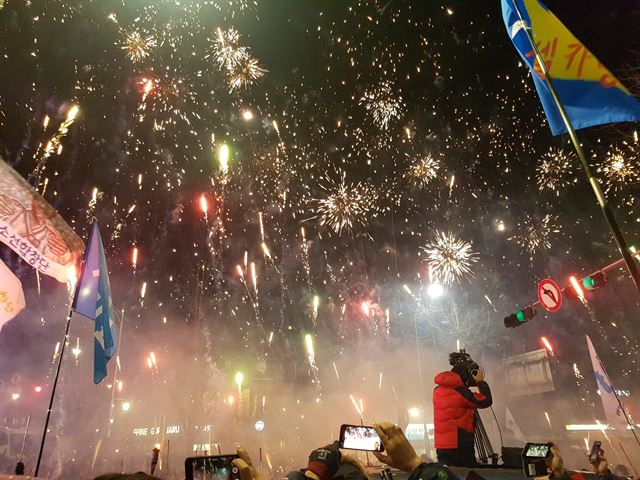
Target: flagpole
[593, 181]
[53, 392]
[24, 439]
[64, 344]
[115, 375]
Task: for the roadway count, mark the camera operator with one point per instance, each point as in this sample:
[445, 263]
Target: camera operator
[454, 406]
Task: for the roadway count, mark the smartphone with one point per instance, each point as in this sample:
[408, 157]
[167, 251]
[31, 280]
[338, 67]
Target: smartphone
[596, 450]
[213, 467]
[534, 459]
[537, 450]
[358, 437]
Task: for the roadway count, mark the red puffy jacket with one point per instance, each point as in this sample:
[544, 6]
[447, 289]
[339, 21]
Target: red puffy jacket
[453, 410]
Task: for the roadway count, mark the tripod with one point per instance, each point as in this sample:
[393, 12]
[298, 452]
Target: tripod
[483, 444]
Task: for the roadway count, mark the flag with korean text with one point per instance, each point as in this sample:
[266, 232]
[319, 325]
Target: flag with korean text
[11, 295]
[33, 229]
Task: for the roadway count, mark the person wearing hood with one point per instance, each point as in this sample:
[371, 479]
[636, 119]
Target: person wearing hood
[454, 406]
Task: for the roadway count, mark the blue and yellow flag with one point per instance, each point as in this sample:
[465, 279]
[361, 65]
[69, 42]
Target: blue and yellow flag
[93, 300]
[589, 92]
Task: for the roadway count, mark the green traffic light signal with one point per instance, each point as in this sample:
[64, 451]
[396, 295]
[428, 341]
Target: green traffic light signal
[520, 317]
[597, 280]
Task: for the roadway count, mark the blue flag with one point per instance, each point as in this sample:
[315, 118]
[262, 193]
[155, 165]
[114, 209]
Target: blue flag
[93, 300]
[590, 93]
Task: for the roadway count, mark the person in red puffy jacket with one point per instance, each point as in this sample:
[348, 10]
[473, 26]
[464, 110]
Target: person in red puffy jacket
[454, 405]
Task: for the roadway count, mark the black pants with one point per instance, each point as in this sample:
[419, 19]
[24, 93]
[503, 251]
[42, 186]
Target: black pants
[458, 457]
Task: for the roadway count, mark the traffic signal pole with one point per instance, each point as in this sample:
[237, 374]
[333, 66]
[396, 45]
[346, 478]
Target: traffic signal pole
[611, 266]
[593, 181]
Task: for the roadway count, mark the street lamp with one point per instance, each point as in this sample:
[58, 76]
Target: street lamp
[126, 406]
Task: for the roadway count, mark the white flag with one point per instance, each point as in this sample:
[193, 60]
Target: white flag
[11, 295]
[33, 229]
[612, 407]
[514, 427]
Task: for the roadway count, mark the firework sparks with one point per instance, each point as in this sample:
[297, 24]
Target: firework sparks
[619, 170]
[134, 257]
[335, 369]
[72, 279]
[449, 257]
[308, 342]
[55, 143]
[239, 378]
[223, 158]
[225, 48]
[305, 255]
[168, 97]
[240, 66]
[359, 406]
[204, 207]
[137, 46]
[244, 73]
[382, 104]
[535, 235]
[345, 206]
[547, 344]
[555, 170]
[76, 350]
[423, 171]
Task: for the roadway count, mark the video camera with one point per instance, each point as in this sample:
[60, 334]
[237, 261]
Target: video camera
[464, 365]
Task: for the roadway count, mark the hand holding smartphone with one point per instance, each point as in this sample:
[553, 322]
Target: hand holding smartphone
[534, 459]
[213, 467]
[359, 437]
[596, 452]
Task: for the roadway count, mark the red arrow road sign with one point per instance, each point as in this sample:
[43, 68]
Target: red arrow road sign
[550, 295]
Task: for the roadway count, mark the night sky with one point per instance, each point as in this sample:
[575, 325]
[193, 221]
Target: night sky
[353, 103]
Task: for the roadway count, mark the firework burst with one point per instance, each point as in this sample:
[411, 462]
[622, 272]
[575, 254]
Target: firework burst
[236, 61]
[423, 171]
[619, 169]
[536, 234]
[382, 104]
[137, 46]
[555, 170]
[244, 73]
[225, 48]
[450, 258]
[345, 206]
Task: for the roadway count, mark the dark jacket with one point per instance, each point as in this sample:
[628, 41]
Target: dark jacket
[346, 471]
[432, 471]
[453, 410]
[425, 471]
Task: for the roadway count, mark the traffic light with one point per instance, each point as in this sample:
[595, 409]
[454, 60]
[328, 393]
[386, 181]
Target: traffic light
[596, 280]
[520, 317]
